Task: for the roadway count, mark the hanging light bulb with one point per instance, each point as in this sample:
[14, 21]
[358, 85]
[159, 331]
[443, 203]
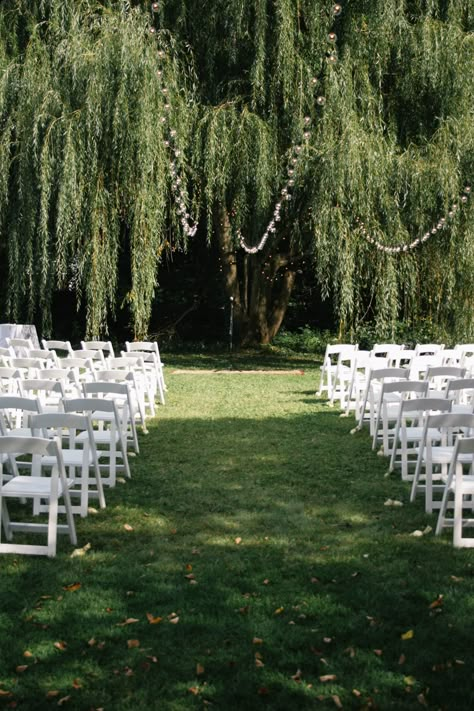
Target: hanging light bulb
[314, 81]
[332, 59]
[152, 31]
[336, 10]
[321, 100]
[464, 199]
[467, 189]
[332, 37]
[307, 120]
[155, 7]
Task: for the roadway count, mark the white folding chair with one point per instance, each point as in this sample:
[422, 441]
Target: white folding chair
[439, 376]
[120, 393]
[79, 455]
[135, 364]
[459, 486]
[96, 356]
[422, 349]
[137, 410]
[364, 363]
[50, 488]
[109, 431]
[15, 413]
[434, 459]
[370, 400]
[150, 347]
[329, 366]
[67, 377]
[28, 367]
[409, 431]
[83, 368]
[391, 397]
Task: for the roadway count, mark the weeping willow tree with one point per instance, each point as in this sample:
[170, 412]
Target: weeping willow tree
[394, 146]
[85, 173]
[84, 169]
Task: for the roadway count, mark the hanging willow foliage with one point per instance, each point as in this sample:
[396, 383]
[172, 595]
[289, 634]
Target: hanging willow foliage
[84, 173]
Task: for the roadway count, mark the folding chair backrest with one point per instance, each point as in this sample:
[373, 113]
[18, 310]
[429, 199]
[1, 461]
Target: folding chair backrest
[15, 411]
[63, 346]
[448, 371]
[43, 355]
[428, 348]
[404, 386]
[104, 346]
[9, 380]
[28, 445]
[28, 367]
[21, 346]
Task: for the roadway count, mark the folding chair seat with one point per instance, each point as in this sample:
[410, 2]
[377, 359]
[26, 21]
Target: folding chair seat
[150, 347]
[120, 393]
[391, 397]
[79, 455]
[370, 400]
[50, 488]
[50, 393]
[409, 431]
[64, 347]
[135, 364]
[104, 346]
[433, 460]
[459, 487]
[109, 432]
[9, 378]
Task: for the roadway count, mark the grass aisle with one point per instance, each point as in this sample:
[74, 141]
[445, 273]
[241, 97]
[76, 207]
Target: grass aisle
[249, 564]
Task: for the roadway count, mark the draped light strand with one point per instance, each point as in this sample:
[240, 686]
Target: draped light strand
[176, 169]
[295, 154]
[442, 224]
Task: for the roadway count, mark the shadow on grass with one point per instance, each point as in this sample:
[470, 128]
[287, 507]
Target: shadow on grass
[281, 579]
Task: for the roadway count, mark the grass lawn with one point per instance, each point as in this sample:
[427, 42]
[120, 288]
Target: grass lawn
[250, 563]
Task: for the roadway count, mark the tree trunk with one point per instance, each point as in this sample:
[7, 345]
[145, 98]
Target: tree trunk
[259, 285]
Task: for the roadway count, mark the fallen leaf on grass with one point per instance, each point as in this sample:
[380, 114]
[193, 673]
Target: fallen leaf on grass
[153, 620]
[189, 567]
[21, 668]
[27, 654]
[133, 643]
[409, 680]
[5, 694]
[257, 640]
[456, 579]
[408, 635]
[263, 691]
[92, 510]
[259, 663]
[60, 645]
[422, 700]
[72, 588]
[437, 603]
[402, 659]
[190, 576]
[174, 620]
[52, 694]
[350, 651]
[120, 479]
[64, 700]
[378, 652]
[194, 690]
[76, 684]
[393, 502]
[238, 540]
[356, 693]
[127, 527]
[459, 662]
[78, 552]
[337, 701]
[327, 677]
[279, 610]
[128, 621]
[297, 676]
[199, 669]
[266, 581]
[91, 642]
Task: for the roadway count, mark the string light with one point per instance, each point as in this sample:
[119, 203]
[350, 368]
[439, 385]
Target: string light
[409, 246]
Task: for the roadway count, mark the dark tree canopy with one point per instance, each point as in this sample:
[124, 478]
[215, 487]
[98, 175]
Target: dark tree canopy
[85, 178]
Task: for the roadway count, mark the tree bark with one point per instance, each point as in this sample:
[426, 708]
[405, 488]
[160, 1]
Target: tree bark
[260, 286]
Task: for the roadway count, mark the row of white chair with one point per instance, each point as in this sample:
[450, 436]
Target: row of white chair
[425, 426]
